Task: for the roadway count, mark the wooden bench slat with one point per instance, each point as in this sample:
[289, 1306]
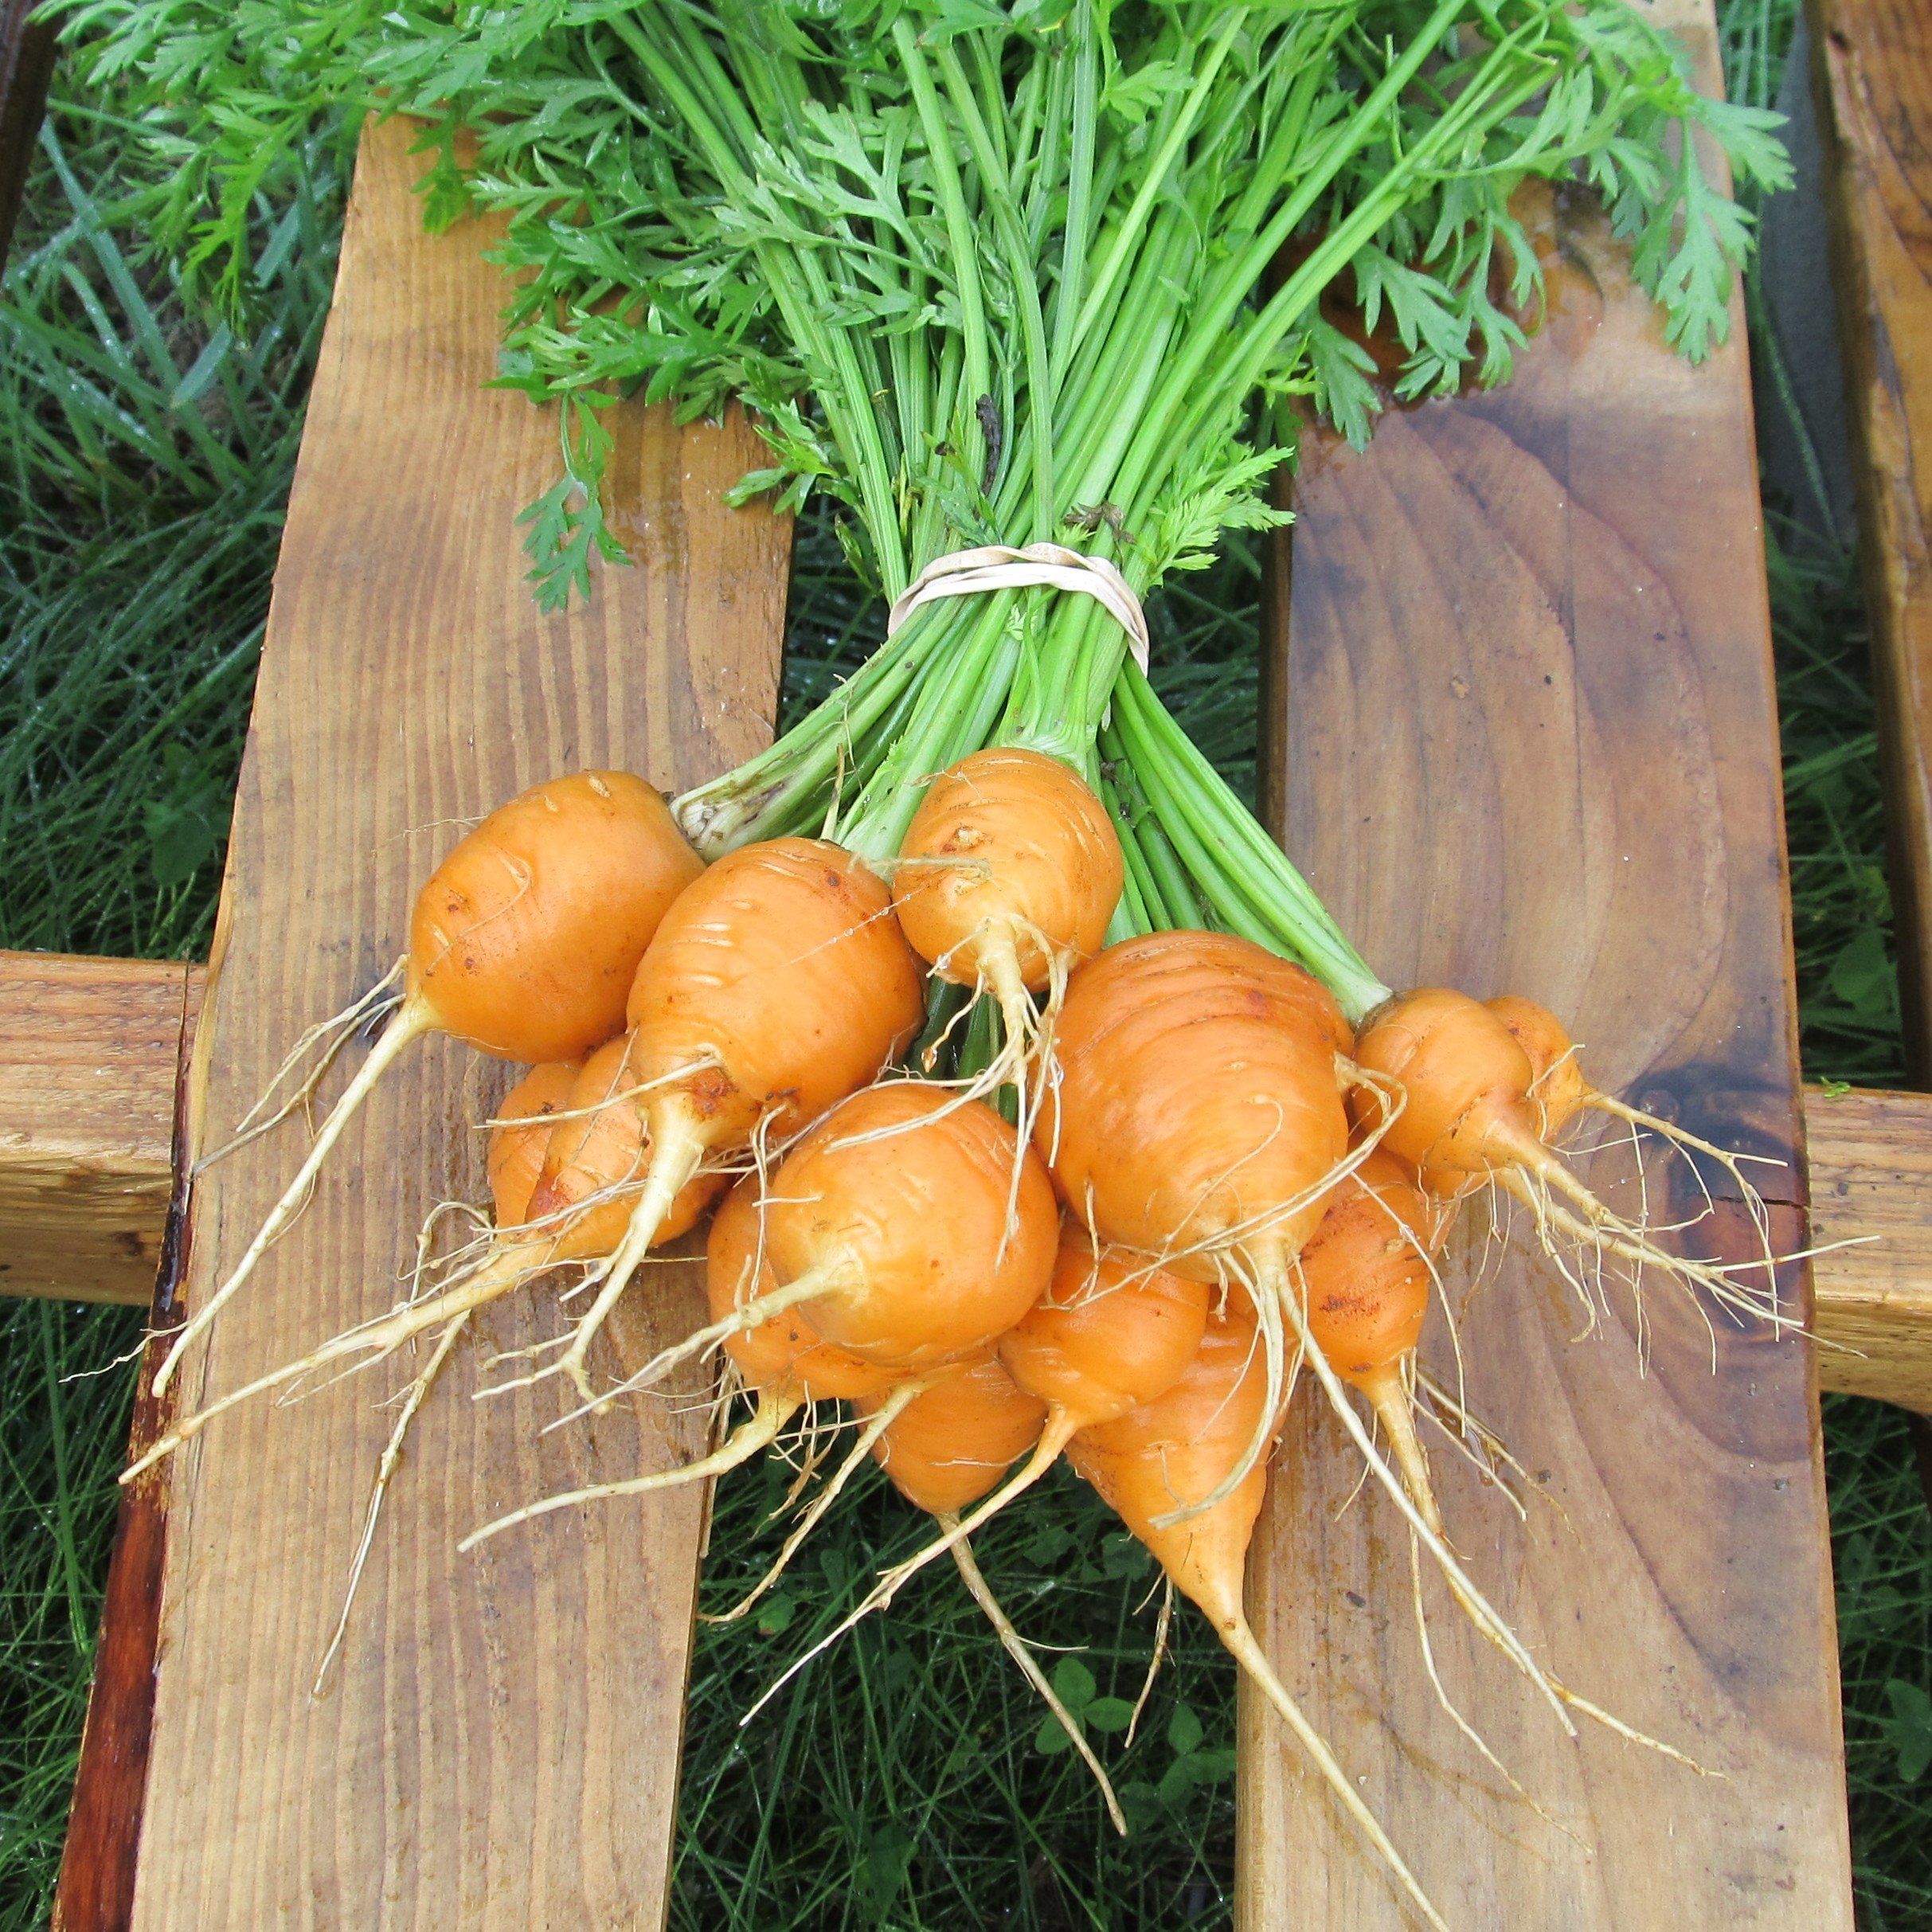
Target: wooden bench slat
[1871, 1160]
[1530, 744]
[88, 1054]
[98, 1023]
[1874, 75]
[499, 1744]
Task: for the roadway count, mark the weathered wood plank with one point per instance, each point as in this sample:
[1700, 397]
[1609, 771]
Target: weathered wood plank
[1875, 85]
[498, 1745]
[1531, 743]
[89, 1050]
[1871, 1161]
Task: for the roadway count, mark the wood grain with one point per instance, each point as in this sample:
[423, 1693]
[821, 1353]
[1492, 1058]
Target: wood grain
[499, 1746]
[1875, 85]
[1528, 741]
[1871, 1160]
[89, 1052]
[98, 1858]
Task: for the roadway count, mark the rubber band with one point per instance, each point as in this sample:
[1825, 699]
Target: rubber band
[998, 566]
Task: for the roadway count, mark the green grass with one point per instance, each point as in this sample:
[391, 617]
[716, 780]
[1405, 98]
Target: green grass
[144, 464]
[142, 468]
[61, 1444]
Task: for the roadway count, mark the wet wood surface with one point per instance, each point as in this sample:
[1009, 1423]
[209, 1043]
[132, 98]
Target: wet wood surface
[1874, 61]
[1526, 740]
[498, 1744]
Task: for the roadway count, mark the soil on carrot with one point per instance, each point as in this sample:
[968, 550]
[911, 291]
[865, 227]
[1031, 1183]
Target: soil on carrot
[909, 1776]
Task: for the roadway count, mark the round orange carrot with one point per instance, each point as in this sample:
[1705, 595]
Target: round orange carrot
[896, 1206]
[520, 1135]
[945, 1446]
[778, 984]
[1113, 1329]
[951, 1444]
[1466, 1083]
[1198, 1113]
[1557, 1085]
[1484, 1087]
[785, 1347]
[523, 943]
[526, 938]
[1366, 1270]
[1010, 868]
[597, 1160]
[1367, 1274]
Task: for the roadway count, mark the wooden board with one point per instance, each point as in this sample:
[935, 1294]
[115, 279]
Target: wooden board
[1529, 743]
[89, 1050]
[87, 1055]
[499, 1747]
[1874, 84]
[1869, 1156]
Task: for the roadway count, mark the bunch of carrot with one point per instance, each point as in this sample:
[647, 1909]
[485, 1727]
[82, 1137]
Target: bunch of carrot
[1124, 1192]
[1042, 1108]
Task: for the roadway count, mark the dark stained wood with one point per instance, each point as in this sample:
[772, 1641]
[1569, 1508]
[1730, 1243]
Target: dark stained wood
[90, 1052]
[1875, 86]
[1528, 741]
[26, 64]
[499, 1744]
[103, 1825]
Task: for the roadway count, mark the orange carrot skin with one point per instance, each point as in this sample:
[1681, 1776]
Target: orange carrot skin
[786, 1349]
[1199, 1093]
[779, 983]
[1289, 989]
[605, 1144]
[1174, 1450]
[952, 1443]
[1028, 841]
[526, 939]
[1112, 1331]
[1365, 1270]
[1559, 1089]
[521, 1137]
[1466, 1083]
[907, 1185]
